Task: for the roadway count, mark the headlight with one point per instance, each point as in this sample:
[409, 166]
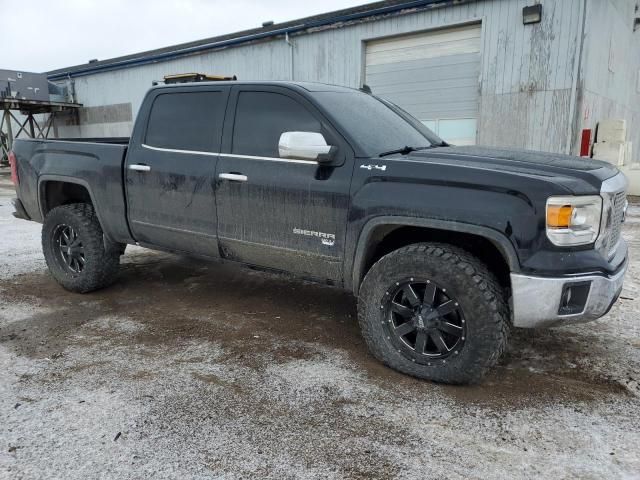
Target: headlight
[573, 220]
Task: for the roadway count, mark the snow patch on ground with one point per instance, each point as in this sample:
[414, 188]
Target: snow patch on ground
[115, 324]
[16, 311]
[22, 250]
[328, 376]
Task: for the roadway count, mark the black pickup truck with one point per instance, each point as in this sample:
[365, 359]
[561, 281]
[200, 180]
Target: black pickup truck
[446, 247]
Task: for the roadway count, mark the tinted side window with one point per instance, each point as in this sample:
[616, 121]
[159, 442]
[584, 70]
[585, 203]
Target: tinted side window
[261, 117]
[187, 121]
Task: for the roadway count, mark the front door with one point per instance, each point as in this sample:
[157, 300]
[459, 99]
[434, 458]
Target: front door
[279, 213]
[170, 170]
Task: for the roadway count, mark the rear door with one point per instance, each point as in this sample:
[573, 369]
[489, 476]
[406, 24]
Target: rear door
[170, 169]
[279, 213]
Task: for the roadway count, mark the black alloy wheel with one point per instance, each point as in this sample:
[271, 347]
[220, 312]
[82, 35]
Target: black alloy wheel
[434, 311]
[70, 249]
[423, 321]
[77, 252]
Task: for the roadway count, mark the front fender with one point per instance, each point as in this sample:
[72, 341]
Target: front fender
[500, 241]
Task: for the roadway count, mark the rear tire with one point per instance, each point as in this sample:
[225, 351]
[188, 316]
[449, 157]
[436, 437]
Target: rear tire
[74, 249]
[434, 311]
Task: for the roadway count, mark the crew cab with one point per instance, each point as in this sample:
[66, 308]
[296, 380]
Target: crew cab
[447, 248]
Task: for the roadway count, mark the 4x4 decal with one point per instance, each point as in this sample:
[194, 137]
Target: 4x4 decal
[376, 167]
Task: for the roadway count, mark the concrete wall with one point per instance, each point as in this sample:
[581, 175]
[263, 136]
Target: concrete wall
[526, 78]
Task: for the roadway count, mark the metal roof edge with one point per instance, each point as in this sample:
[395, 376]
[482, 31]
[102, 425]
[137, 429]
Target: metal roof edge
[161, 56]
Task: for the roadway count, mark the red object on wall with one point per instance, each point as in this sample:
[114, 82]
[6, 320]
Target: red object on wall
[14, 168]
[585, 143]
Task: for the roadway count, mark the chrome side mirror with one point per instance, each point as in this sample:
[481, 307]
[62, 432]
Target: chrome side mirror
[305, 146]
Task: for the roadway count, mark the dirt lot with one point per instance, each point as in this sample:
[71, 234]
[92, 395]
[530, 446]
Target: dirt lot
[193, 370]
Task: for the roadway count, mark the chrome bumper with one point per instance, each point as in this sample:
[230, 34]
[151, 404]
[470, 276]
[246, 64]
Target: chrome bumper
[536, 301]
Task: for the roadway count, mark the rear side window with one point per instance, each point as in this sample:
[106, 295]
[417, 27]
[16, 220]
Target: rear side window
[187, 121]
[261, 117]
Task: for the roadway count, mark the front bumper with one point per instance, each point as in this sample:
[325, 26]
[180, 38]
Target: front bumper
[537, 301]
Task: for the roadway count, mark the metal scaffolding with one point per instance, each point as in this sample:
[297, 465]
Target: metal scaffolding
[26, 125]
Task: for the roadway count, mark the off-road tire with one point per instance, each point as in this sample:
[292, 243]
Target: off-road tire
[477, 290]
[101, 263]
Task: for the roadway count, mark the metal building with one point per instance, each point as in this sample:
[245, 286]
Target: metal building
[520, 73]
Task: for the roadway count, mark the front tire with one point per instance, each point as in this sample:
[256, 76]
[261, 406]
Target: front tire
[74, 249]
[434, 311]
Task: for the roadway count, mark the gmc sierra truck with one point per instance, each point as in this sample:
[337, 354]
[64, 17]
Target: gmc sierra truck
[445, 247]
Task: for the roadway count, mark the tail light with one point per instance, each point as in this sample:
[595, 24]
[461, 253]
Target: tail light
[14, 168]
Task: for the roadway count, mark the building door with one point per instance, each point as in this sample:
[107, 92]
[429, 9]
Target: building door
[432, 75]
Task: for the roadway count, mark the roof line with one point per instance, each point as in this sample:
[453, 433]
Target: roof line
[115, 64]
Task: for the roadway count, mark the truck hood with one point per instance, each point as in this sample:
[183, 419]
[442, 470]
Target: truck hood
[565, 169]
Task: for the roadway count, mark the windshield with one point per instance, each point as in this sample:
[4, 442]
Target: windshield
[375, 125]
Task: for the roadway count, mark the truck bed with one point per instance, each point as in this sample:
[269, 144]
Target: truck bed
[110, 140]
[94, 163]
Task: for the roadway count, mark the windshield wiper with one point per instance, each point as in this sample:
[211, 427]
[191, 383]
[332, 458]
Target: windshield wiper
[406, 150]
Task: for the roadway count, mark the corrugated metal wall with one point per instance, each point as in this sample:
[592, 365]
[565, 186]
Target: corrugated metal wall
[525, 83]
[528, 76]
[611, 68]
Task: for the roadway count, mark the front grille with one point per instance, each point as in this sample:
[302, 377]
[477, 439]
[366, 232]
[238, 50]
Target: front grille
[614, 227]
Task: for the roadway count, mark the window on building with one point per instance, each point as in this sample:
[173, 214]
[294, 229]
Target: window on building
[186, 121]
[261, 117]
[458, 131]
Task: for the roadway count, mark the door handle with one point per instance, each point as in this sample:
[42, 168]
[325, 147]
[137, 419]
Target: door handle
[138, 167]
[235, 177]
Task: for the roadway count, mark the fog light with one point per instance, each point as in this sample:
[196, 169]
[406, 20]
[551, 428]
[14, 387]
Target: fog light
[574, 298]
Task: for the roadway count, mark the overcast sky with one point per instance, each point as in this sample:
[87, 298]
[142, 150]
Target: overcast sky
[42, 35]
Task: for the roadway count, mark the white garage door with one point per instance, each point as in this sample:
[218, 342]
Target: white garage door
[432, 75]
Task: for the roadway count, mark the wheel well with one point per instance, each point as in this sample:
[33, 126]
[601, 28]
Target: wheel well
[388, 238]
[55, 193]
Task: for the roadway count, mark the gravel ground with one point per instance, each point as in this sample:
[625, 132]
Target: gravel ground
[192, 370]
